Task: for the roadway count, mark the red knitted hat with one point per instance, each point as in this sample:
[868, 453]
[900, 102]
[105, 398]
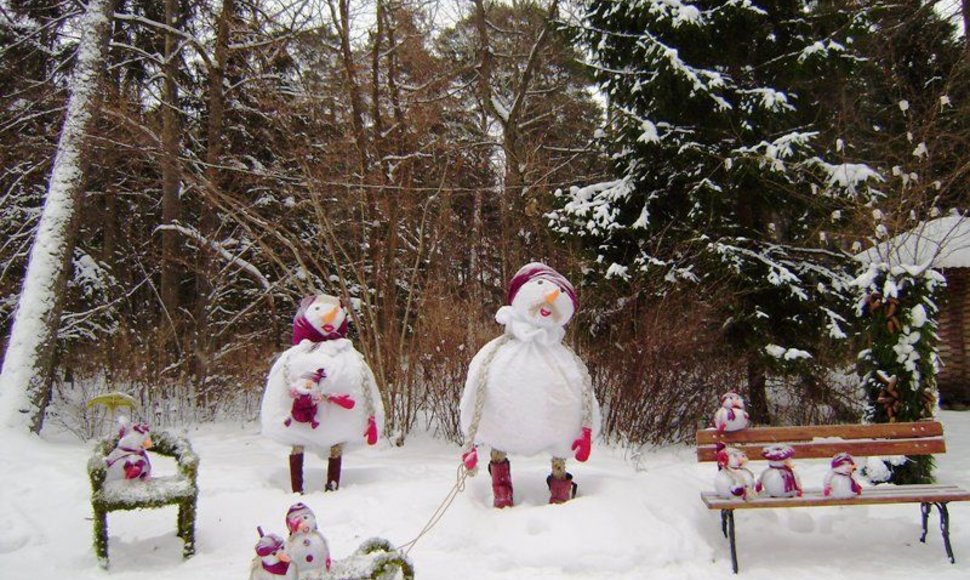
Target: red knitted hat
[539, 271]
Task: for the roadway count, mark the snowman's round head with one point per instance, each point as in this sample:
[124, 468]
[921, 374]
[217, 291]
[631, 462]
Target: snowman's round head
[133, 435]
[730, 457]
[270, 549]
[300, 519]
[542, 295]
[732, 400]
[319, 318]
[843, 463]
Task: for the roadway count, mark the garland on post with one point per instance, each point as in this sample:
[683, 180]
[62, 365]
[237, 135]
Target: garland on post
[899, 304]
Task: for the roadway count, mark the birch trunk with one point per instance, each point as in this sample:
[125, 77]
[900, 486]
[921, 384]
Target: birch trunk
[28, 365]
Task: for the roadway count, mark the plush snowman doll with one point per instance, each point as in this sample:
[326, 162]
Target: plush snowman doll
[306, 545]
[779, 478]
[527, 393]
[839, 481]
[271, 561]
[129, 459]
[733, 479]
[345, 408]
[731, 416]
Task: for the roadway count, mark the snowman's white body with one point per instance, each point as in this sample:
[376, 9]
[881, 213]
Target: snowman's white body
[772, 481]
[534, 391]
[257, 572]
[730, 419]
[840, 482]
[730, 479]
[129, 451]
[347, 373]
[309, 551]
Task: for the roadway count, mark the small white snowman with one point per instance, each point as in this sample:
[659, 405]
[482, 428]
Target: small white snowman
[733, 479]
[335, 406]
[271, 561]
[730, 416]
[779, 478]
[839, 481]
[129, 459]
[306, 545]
[527, 393]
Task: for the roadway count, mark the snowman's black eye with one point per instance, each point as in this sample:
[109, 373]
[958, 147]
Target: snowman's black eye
[539, 282]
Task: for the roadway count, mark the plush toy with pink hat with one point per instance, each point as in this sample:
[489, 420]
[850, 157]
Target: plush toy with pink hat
[272, 561]
[321, 394]
[839, 481]
[731, 416]
[306, 545]
[779, 478]
[733, 480]
[129, 459]
[527, 393]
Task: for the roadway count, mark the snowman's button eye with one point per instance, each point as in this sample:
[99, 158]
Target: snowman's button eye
[539, 282]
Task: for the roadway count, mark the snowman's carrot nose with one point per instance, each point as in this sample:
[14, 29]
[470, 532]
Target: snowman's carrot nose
[283, 556]
[551, 297]
[329, 316]
[148, 443]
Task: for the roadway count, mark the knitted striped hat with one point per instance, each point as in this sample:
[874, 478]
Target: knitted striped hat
[841, 459]
[268, 543]
[777, 452]
[539, 271]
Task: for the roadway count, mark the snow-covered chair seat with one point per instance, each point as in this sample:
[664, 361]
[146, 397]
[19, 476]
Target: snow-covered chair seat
[180, 489]
[375, 559]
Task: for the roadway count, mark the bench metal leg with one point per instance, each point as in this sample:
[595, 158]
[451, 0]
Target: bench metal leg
[945, 529]
[186, 527]
[924, 509]
[727, 526]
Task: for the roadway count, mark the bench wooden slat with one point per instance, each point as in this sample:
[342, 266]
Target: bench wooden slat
[828, 448]
[912, 430]
[870, 496]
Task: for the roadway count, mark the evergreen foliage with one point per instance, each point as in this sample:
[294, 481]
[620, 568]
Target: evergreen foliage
[899, 368]
[722, 133]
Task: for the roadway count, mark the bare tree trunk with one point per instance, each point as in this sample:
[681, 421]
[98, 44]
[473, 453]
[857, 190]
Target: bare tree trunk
[171, 178]
[965, 8]
[25, 381]
[341, 18]
[757, 392]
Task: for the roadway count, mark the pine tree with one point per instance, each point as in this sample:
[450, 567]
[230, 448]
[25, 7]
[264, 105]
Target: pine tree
[898, 368]
[722, 119]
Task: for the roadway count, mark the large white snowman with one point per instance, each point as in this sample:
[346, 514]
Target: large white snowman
[527, 393]
[321, 394]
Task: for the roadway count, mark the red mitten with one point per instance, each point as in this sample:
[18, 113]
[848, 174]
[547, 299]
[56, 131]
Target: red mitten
[328, 563]
[583, 445]
[371, 433]
[344, 401]
[827, 490]
[132, 470]
[470, 458]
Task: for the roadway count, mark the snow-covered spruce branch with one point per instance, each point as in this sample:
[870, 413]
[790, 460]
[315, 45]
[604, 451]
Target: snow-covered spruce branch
[220, 249]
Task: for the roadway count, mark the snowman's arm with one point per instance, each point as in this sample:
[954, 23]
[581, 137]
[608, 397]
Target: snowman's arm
[477, 383]
[587, 388]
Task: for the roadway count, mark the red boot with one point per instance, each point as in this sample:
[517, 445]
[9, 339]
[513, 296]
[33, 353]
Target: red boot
[561, 490]
[501, 483]
[296, 472]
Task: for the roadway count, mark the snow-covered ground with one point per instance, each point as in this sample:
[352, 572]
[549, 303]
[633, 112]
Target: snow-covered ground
[633, 519]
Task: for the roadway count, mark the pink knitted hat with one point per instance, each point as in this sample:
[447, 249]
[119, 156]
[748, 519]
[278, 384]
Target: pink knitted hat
[539, 271]
[841, 459]
[268, 543]
[303, 329]
[777, 452]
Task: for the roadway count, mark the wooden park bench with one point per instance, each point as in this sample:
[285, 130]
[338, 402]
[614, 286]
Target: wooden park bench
[180, 489]
[824, 441]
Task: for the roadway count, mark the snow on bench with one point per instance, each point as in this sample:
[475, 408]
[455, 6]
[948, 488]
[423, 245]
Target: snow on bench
[824, 441]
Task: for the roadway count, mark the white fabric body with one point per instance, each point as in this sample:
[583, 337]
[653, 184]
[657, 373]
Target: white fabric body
[345, 370]
[841, 484]
[309, 551]
[534, 392]
[773, 482]
[728, 479]
[257, 572]
[739, 422]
